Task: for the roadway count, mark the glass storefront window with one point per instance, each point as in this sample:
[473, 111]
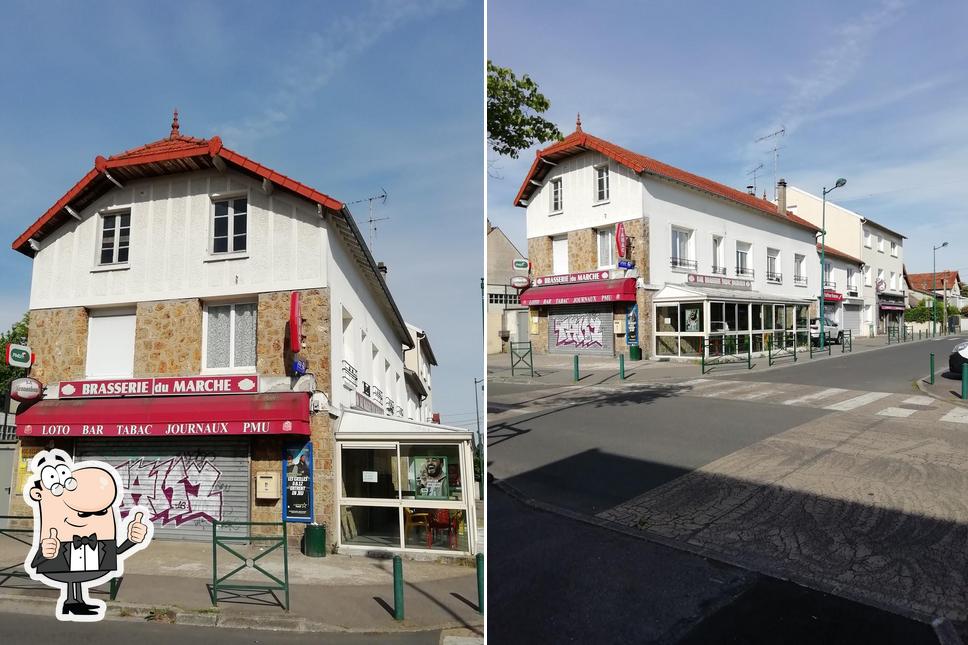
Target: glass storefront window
[742, 317]
[667, 318]
[777, 316]
[370, 525]
[431, 471]
[802, 311]
[435, 528]
[757, 317]
[665, 345]
[716, 316]
[768, 317]
[370, 473]
[789, 317]
[730, 318]
[691, 345]
[690, 317]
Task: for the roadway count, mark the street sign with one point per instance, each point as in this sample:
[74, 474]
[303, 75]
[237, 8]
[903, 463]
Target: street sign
[520, 264]
[26, 389]
[19, 355]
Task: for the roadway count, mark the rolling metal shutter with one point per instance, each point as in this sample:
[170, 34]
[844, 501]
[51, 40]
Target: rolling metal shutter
[852, 318]
[183, 482]
[581, 329]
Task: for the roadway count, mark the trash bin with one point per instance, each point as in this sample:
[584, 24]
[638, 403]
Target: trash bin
[635, 353]
[314, 541]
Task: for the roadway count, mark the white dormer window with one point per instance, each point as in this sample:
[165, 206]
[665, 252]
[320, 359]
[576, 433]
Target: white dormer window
[229, 225]
[556, 197]
[115, 238]
[601, 183]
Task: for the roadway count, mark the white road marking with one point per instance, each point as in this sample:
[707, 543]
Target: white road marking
[730, 391]
[695, 381]
[956, 415]
[816, 396]
[857, 401]
[919, 400]
[896, 412]
[761, 394]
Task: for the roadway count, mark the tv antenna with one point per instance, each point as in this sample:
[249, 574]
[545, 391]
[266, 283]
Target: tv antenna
[776, 151]
[370, 220]
[753, 172]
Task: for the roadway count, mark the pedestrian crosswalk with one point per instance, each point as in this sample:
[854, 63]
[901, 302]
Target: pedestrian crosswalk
[914, 408]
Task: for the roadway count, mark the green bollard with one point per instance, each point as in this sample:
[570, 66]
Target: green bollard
[397, 588]
[964, 382]
[480, 583]
[932, 369]
[575, 369]
[621, 366]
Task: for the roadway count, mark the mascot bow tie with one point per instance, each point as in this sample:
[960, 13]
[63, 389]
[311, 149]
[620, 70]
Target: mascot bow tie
[90, 540]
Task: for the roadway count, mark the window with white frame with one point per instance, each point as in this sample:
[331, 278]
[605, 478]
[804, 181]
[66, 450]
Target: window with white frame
[682, 248]
[559, 255]
[719, 255]
[606, 248]
[773, 273]
[880, 275]
[868, 239]
[230, 336]
[851, 280]
[893, 248]
[115, 238]
[828, 276]
[799, 270]
[893, 281]
[556, 196]
[743, 260]
[601, 183]
[110, 344]
[867, 277]
[229, 225]
[880, 244]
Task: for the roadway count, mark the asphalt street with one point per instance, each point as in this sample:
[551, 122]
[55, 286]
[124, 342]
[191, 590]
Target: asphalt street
[33, 630]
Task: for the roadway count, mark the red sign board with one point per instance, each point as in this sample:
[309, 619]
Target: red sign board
[833, 296]
[162, 386]
[620, 239]
[134, 429]
[568, 278]
[295, 323]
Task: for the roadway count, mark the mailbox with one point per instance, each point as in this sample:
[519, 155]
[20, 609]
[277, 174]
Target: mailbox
[619, 326]
[268, 485]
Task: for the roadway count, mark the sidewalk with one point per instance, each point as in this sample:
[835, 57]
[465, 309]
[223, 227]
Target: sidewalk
[331, 594]
[558, 369]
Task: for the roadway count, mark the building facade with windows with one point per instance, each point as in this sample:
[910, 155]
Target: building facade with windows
[504, 309]
[627, 251]
[945, 285]
[206, 325]
[418, 362]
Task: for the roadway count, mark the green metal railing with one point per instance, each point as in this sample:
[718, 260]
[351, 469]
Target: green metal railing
[25, 537]
[893, 332]
[522, 353]
[723, 350]
[780, 344]
[847, 344]
[275, 541]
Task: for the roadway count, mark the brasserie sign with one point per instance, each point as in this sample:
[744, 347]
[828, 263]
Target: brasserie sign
[161, 386]
[193, 429]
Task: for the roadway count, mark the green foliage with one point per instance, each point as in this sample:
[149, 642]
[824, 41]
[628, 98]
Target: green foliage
[16, 334]
[964, 311]
[514, 109]
[922, 312]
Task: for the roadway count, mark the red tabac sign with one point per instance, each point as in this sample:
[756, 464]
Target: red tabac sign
[295, 323]
[620, 239]
[833, 296]
[162, 386]
[134, 429]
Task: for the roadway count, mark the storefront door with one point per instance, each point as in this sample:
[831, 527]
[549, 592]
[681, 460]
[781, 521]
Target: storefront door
[581, 329]
[185, 483]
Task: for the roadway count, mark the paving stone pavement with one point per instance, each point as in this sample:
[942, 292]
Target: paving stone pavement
[869, 502]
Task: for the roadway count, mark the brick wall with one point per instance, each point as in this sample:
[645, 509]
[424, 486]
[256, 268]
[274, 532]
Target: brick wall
[59, 339]
[168, 338]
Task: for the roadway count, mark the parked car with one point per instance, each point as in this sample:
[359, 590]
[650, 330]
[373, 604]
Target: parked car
[831, 331]
[959, 356]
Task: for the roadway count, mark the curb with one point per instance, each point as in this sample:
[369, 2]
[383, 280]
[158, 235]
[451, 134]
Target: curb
[43, 606]
[957, 401]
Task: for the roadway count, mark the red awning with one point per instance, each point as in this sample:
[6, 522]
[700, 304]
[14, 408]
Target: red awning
[182, 416]
[621, 290]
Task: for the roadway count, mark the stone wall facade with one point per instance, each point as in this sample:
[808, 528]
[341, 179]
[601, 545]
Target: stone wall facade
[59, 339]
[539, 255]
[582, 250]
[168, 338]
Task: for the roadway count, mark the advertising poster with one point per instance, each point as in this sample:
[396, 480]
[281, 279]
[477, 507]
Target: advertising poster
[428, 477]
[297, 490]
[692, 317]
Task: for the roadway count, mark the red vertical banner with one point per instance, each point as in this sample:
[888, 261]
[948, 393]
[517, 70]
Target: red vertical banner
[620, 239]
[295, 323]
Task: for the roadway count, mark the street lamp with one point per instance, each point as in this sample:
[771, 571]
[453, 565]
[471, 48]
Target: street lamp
[934, 287]
[823, 251]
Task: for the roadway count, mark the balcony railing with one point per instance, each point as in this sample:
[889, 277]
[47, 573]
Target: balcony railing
[829, 284]
[800, 280]
[744, 272]
[350, 376]
[683, 263]
[772, 276]
[719, 270]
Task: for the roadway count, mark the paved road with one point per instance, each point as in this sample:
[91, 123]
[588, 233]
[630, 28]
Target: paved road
[33, 630]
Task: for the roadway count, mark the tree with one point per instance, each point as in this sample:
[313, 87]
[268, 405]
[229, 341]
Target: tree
[514, 109]
[17, 334]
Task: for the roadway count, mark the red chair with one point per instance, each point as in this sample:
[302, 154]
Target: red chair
[442, 520]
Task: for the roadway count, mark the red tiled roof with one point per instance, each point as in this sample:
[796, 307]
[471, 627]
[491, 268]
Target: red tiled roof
[925, 281]
[175, 153]
[829, 250]
[580, 141]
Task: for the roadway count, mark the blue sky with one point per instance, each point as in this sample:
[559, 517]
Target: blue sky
[346, 97]
[876, 92]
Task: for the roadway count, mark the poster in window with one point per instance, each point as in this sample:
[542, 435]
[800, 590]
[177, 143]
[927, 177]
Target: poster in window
[692, 318]
[297, 472]
[428, 477]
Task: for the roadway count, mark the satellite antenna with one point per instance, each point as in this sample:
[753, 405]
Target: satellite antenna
[753, 172]
[776, 151]
[370, 220]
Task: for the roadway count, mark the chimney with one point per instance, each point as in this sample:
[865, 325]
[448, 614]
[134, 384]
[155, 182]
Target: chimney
[382, 268]
[781, 204]
[751, 190]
